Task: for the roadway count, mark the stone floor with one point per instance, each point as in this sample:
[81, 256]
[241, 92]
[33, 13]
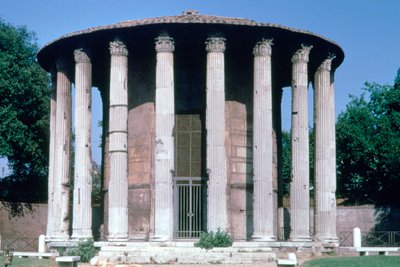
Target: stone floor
[268, 264]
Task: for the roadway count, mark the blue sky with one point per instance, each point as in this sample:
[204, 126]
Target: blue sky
[367, 30]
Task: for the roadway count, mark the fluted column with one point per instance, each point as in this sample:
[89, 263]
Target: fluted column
[118, 147]
[263, 203]
[325, 154]
[62, 152]
[217, 216]
[82, 204]
[51, 204]
[299, 186]
[164, 146]
[277, 159]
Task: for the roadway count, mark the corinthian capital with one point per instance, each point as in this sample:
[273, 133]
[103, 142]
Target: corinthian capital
[215, 44]
[118, 48]
[302, 54]
[263, 48]
[326, 64]
[164, 44]
[81, 56]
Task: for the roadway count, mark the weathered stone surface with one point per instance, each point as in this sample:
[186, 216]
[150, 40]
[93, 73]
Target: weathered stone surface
[217, 216]
[118, 128]
[141, 159]
[139, 213]
[299, 186]
[263, 206]
[325, 154]
[51, 216]
[239, 171]
[164, 142]
[62, 153]
[82, 204]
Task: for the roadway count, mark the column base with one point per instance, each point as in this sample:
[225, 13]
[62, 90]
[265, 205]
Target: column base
[118, 238]
[301, 239]
[328, 242]
[57, 238]
[82, 235]
[161, 238]
[261, 238]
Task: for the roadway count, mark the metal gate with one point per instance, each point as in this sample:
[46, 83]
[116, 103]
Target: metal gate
[190, 207]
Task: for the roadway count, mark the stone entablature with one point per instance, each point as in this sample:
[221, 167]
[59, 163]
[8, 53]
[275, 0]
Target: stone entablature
[232, 81]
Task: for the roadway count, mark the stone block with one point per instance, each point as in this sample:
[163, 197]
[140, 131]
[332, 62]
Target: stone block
[237, 178]
[242, 167]
[143, 166]
[68, 261]
[237, 124]
[139, 204]
[138, 153]
[237, 210]
[244, 152]
[238, 139]
[141, 119]
[135, 177]
[236, 110]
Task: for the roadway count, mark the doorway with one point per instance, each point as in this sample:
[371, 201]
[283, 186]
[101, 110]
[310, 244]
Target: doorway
[189, 185]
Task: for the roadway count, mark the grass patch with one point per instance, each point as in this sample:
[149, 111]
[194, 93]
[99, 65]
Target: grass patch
[365, 261]
[30, 262]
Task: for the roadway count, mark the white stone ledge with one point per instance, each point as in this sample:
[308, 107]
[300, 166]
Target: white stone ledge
[36, 254]
[68, 259]
[364, 251]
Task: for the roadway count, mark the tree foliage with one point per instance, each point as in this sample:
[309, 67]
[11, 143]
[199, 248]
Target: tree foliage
[24, 116]
[287, 161]
[368, 145]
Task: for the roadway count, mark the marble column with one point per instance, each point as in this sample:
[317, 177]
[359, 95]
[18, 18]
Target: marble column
[118, 146]
[263, 202]
[325, 154]
[217, 215]
[299, 186]
[277, 160]
[164, 146]
[82, 204]
[62, 152]
[51, 178]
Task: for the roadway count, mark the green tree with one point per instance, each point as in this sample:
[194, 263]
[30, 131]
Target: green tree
[286, 161]
[24, 116]
[368, 145]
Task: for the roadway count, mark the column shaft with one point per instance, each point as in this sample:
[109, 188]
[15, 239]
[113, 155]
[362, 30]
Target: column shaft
[82, 204]
[217, 216]
[164, 146]
[299, 187]
[325, 154]
[263, 204]
[118, 147]
[62, 152]
[277, 160]
[51, 178]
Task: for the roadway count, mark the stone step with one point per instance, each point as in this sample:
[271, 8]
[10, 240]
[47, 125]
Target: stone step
[168, 259]
[185, 255]
[185, 249]
[188, 244]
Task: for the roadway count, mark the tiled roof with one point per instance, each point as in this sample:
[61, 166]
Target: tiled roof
[187, 17]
